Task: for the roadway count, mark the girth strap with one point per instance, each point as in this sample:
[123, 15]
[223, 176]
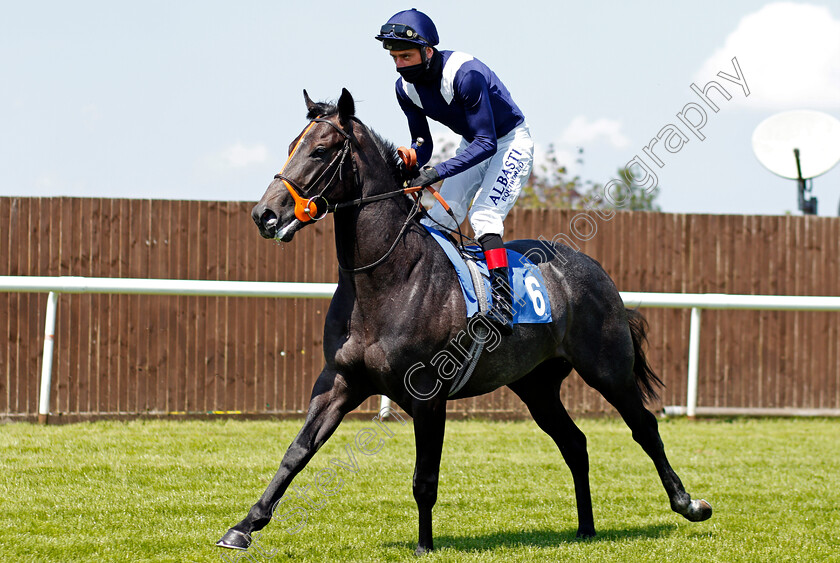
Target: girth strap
[477, 347]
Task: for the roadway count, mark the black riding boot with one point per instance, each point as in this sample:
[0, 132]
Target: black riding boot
[501, 314]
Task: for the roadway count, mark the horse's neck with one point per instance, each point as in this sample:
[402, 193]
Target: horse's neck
[365, 236]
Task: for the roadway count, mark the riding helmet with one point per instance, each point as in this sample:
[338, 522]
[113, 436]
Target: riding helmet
[408, 29]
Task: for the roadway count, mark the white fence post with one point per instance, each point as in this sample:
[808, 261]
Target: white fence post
[384, 405]
[46, 364]
[693, 362]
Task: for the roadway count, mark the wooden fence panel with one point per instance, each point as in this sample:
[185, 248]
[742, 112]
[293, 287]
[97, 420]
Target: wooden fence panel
[122, 355]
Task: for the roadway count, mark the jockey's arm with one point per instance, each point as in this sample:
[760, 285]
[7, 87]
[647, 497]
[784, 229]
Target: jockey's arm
[473, 95]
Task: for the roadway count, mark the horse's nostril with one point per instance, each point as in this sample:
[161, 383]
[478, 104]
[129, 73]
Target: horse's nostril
[269, 219]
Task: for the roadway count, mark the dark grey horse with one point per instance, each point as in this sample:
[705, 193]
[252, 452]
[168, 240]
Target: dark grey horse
[398, 304]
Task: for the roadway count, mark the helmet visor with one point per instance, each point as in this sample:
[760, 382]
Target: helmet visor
[399, 45]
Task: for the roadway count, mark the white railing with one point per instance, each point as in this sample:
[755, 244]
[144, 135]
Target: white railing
[130, 286]
[696, 302]
[699, 301]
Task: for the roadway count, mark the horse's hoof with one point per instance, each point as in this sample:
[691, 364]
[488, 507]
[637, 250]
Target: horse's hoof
[422, 550]
[234, 539]
[585, 534]
[698, 511]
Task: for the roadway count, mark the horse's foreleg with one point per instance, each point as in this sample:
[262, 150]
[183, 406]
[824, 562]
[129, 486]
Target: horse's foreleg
[429, 424]
[332, 398]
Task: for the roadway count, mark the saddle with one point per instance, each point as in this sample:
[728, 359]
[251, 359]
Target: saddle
[530, 299]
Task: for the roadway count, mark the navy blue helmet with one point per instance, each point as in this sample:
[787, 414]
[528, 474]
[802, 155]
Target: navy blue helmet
[409, 29]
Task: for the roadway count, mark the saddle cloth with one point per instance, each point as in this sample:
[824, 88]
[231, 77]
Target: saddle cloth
[530, 299]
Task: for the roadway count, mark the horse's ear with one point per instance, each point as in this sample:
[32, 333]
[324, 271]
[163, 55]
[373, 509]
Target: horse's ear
[346, 105]
[309, 103]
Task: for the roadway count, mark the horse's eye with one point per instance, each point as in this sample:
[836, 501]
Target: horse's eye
[319, 152]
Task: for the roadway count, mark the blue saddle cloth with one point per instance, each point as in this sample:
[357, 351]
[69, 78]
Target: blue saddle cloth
[530, 299]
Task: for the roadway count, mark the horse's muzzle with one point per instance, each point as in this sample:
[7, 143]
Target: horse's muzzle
[266, 220]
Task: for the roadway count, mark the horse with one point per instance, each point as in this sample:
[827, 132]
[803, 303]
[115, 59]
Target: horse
[398, 303]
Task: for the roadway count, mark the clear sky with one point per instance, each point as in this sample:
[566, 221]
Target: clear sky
[200, 99]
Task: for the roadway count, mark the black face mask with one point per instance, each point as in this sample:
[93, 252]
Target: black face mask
[427, 71]
[412, 74]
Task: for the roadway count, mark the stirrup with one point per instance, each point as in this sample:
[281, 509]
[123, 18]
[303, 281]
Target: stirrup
[500, 320]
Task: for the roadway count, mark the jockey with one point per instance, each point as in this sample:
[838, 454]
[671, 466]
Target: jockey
[494, 159]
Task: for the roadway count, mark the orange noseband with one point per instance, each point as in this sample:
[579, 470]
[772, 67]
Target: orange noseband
[305, 209]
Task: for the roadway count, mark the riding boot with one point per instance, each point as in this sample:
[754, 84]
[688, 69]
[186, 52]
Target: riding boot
[501, 313]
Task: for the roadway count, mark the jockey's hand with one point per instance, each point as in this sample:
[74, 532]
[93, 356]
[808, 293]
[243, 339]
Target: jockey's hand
[405, 173]
[426, 177]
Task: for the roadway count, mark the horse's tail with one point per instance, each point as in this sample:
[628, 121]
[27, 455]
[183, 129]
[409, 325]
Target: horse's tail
[646, 380]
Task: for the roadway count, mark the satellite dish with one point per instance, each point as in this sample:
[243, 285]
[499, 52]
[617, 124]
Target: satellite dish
[799, 145]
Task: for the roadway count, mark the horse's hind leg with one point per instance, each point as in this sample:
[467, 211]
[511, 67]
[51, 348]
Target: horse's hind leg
[646, 432]
[332, 398]
[613, 377]
[540, 391]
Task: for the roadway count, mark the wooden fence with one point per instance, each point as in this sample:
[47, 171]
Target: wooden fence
[186, 356]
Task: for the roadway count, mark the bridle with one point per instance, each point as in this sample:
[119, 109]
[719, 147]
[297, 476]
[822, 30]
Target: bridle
[312, 210]
[304, 208]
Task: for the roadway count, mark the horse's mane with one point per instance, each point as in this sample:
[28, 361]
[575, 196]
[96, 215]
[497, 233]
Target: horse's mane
[386, 148]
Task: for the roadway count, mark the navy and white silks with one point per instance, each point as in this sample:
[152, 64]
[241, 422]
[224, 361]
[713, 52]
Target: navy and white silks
[494, 159]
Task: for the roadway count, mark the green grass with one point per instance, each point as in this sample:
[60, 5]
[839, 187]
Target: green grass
[166, 491]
